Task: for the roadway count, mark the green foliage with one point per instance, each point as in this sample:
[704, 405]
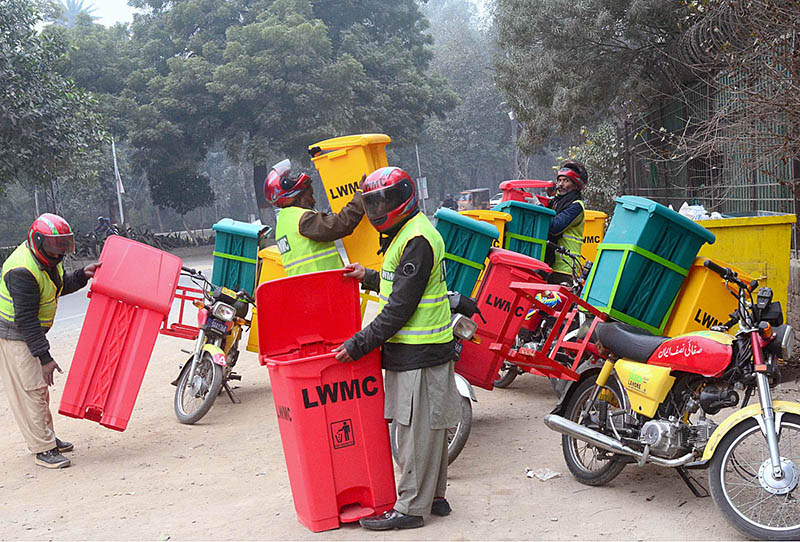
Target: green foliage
[49, 125]
[600, 152]
[570, 63]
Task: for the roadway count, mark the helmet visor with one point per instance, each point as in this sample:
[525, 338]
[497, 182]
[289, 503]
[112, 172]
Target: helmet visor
[379, 203]
[58, 245]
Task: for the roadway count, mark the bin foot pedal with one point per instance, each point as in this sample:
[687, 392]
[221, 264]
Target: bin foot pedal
[353, 512]
[232, 396]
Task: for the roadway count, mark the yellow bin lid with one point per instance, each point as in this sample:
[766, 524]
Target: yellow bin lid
[487, 216]
[358, 140]
[594, 215]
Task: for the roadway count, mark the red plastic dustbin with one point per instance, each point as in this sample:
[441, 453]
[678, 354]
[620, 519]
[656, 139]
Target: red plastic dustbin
[130, 294]
[330, 414]
[478, 364]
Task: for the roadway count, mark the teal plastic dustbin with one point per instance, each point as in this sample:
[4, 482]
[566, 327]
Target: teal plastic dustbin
[642, 262]
[236, 253]
[528, 229]
[466, 242]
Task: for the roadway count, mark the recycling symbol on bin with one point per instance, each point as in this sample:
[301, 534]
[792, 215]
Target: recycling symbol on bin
[342, 433]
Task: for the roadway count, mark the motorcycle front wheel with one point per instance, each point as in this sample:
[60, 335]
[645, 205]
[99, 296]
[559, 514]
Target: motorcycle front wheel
[194, 399]
[743, 487]
[588, 464]
[456, 436]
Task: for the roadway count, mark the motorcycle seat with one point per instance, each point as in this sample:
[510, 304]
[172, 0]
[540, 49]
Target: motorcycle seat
[627, 341]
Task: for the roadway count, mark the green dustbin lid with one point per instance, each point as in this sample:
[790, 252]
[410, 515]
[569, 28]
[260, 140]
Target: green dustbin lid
[636, 202]
[244, 229]
[484, 228]
[505, 207]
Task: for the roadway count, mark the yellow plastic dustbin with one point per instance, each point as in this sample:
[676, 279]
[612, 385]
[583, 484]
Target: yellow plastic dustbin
[270, 268]
[593, 231]
[703, 300]
[499, 220]
[341, 162]
[758, 244]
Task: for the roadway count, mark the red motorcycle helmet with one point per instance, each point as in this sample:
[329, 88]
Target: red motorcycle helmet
[50, 238]
[280, 189]
[390, 197]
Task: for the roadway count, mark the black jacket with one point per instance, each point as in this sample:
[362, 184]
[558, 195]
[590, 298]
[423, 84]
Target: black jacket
[24, 292]
[410, 279]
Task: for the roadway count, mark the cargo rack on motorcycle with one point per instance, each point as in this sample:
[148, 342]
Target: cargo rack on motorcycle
[559, 357]
[179, 328]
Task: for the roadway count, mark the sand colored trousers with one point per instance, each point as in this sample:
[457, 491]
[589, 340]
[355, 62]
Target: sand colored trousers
[28, 396]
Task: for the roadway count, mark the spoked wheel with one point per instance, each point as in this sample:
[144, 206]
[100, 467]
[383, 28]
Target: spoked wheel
[456, 436]
[743, 485]
[508, 372]
[194, 399]
[588, 464]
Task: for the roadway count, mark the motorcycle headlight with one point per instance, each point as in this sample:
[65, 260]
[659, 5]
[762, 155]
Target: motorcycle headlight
[223, 311]
[463, 327]
[787, 342]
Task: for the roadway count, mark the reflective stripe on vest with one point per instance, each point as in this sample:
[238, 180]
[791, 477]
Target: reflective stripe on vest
[572, 240]
[48, 294]
[300, 254]
[430, 323]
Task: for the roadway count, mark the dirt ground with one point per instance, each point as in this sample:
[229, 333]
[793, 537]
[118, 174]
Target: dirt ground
[225, 478]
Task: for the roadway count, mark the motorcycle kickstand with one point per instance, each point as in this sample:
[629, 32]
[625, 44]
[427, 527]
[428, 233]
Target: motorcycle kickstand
[232, 396]
[692, 483]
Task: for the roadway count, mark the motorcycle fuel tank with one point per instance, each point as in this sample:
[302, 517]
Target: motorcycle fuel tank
[706, 353]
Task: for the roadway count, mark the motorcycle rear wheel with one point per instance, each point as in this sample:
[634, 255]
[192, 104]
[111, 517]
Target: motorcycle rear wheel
[189, 407]
[583, 459]
[739, 490]
[456, 436]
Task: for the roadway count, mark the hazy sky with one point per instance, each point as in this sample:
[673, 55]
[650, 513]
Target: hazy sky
[111, 11]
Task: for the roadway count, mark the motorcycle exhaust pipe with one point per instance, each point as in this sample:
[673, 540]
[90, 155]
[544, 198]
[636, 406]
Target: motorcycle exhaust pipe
[595, 438]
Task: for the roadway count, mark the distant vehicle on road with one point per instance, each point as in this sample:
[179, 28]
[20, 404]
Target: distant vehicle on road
[477, 198]
[494, 200]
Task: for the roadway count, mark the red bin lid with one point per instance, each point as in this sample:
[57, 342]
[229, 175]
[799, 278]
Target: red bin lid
[515, 259]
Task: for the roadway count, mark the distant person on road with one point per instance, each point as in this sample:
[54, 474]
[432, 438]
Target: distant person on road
[450, 202]
[413, 328]
[33, 279]
[566, 228]
[304, 236]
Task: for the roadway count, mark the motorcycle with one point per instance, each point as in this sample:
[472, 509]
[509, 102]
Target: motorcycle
[651, 400]
[221, 316]
[461, 308]
[537, 325]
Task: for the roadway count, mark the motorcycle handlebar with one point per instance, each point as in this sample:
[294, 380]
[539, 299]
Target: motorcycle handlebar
[189, 270]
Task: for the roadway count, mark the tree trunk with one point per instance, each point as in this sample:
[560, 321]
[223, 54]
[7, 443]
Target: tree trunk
[158, 217]
[192, 238]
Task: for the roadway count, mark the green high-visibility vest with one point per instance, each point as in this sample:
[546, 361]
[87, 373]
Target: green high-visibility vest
[48, 293]
[300, 254]
[572, 240]
[430, 323]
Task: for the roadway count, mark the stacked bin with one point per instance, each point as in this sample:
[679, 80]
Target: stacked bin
[466, 242]
[341, 163]
[527, 232]
[235, 253]
[270, 267]
[704, 300]
[593, 230]
[499, 221]
[478, 364]
[330, 414]
[759, 243]
[642, 262]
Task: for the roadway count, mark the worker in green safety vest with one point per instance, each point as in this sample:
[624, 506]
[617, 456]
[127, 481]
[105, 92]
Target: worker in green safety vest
[33, 279]
[413, 329]
[566, 228]
[305, 237]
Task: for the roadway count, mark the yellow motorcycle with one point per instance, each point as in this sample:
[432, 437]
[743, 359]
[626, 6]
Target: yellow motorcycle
[651, 400]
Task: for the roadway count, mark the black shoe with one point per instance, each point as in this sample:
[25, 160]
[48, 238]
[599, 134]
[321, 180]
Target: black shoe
[51, 459]
[440, 507]
[64, 446]
[391, 520]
